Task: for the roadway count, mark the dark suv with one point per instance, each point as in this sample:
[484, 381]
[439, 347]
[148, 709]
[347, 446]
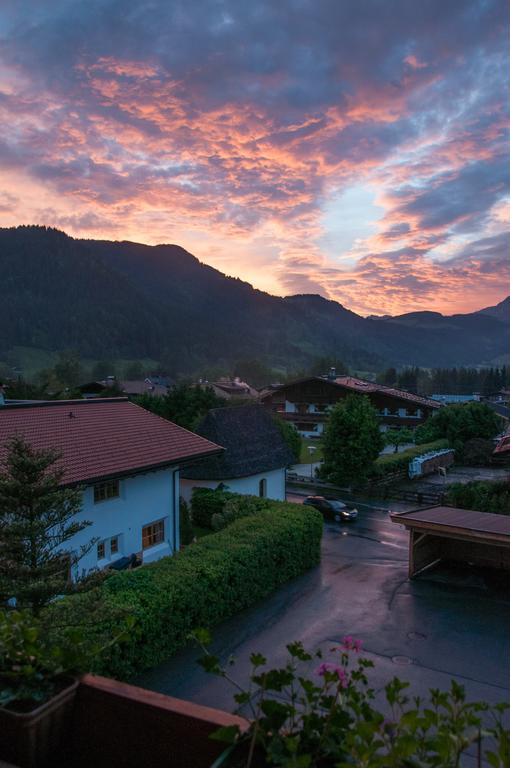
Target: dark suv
[332, 509]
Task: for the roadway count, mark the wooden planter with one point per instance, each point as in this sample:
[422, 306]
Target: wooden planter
[32, 739]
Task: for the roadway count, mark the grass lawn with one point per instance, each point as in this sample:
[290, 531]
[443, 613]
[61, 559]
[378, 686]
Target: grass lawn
[306, 456]
[31, 360]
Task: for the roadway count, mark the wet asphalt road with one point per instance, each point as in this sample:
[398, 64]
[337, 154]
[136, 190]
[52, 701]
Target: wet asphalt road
[454, 622]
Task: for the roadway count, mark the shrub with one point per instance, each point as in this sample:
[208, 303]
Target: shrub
[185, 527]
[393, 462]
[237, 507]
[200, 586]
[483, 496]
[206, 502]
[32, 667]
[476, 452]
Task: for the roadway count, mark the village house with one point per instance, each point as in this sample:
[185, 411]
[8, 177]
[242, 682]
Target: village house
[255, 458]
[306, 402]
[230, 389]
[127, 461]
[153, 386]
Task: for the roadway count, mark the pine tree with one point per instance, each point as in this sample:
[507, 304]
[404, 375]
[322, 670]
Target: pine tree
[37, 519]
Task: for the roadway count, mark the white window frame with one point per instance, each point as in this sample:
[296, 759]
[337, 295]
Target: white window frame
[161, 522]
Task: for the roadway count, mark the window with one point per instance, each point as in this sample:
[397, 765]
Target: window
[108, 490]
[303, 426]
[108, 547]
[152, 534]
[263, 488]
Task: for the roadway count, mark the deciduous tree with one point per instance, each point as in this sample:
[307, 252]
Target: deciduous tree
[183, 405]
[291, 437]
[459, 423]
[398, 437]
[352, 441]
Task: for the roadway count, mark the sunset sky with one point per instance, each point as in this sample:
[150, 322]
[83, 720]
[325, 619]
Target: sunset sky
[359, 149]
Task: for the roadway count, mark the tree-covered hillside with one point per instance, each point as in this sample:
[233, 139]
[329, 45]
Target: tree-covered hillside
[109, 300]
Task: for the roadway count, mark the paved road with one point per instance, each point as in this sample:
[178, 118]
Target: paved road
[454, 622]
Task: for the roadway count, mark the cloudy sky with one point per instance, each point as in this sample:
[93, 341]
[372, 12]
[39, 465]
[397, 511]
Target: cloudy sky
[353, 148]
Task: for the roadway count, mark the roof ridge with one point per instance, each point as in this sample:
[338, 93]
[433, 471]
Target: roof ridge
[53, 403]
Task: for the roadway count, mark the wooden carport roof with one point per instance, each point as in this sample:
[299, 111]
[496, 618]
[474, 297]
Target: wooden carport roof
[464, 522]
[443, 533]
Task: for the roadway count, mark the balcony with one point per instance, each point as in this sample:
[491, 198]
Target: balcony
[115, 724]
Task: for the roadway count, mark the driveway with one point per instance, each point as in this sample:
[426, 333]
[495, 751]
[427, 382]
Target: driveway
[454, 622]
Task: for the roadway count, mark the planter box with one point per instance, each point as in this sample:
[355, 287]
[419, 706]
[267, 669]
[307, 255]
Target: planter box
[32, 739]
[117, 724]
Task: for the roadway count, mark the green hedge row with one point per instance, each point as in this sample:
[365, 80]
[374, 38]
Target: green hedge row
[237, 507]
[484, 496]
[206, 502]
[393, 462]
[199, 587]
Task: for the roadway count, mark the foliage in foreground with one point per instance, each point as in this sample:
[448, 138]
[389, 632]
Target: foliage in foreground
[352, 441]
[200, 586]
[32, 667]
[483, 496]
[313, 713]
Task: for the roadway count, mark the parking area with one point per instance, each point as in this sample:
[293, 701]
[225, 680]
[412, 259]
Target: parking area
[452, 622]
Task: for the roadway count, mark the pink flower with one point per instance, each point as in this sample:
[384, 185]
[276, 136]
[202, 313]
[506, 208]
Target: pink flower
[333, 669]
[350, 644]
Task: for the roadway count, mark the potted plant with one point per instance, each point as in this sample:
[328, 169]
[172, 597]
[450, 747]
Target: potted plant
[317, 712]
[38, 683]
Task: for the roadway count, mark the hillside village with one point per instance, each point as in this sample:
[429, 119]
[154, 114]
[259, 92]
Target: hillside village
[254, 384]
[351, 457]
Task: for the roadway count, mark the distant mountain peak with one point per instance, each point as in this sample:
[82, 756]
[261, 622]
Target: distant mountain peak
[501, 310]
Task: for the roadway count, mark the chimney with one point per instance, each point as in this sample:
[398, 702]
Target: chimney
[332, 373]
[2, 396]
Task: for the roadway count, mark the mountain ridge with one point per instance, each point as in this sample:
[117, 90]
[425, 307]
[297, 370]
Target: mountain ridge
[125, 299]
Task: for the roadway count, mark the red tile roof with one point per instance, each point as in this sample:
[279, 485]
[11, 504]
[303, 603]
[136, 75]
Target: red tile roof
[504, 444]
[360, 385]
[102, 438]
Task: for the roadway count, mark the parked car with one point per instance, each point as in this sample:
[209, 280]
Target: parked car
[332, 509]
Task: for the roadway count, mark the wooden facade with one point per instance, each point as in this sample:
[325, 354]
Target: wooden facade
[306, 402]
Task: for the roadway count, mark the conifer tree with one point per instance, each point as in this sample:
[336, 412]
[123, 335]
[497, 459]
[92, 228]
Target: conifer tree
[37, 520]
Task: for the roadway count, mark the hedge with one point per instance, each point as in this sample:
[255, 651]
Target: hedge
[206, 502]
[199, 587]
[237, 507]
[393, 462]
[484, 496]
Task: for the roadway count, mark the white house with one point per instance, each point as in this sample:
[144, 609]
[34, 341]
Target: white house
[255, 457]
[127, 461]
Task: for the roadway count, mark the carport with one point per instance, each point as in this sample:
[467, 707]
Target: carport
[448, 533]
